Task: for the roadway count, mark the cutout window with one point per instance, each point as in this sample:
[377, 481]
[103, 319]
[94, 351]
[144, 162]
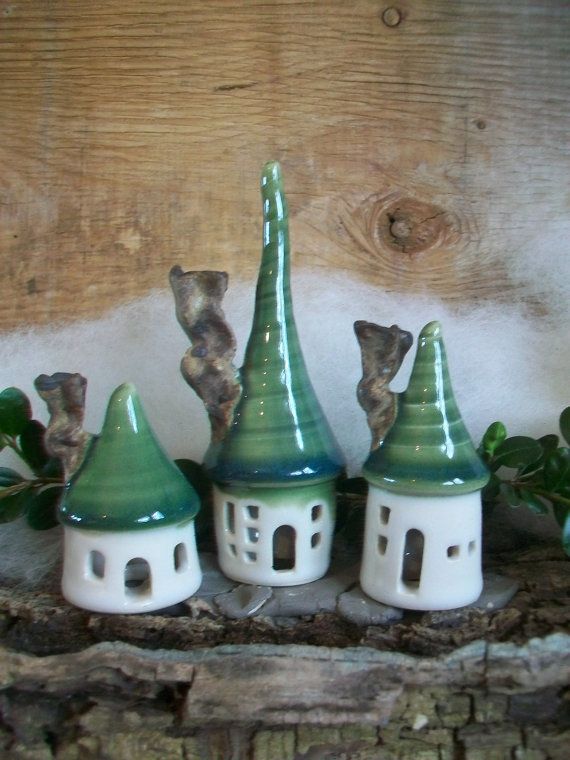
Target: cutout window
[230, 517]
[252, 535]
[233, 550]
[382, 545]
[316, 512]
[315, 540]
[412, 559]
[384, 515]
[453, 552]
[471, 547]
[251, 556]
[284, 540]
[137, 577]
[252, 511]
[180, 558]
[97, 563]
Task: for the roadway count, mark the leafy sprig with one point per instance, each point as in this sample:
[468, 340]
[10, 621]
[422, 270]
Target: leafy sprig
[531, 472]
[35, 497]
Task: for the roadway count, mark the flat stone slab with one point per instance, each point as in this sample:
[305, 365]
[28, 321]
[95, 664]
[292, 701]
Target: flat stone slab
[356, 606]
[311, 598]
[243, 601]
[498, 590]
[213, 580]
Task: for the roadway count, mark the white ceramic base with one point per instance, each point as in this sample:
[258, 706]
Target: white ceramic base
[98, 573]
[451, 562]
[245, 539]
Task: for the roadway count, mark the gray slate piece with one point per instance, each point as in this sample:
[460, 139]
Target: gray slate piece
[311, 598]
[356, 606]
[498, 590]
[213, 580]
[243, 601]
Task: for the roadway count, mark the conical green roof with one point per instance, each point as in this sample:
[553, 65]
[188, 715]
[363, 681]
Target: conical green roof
[428, 450]
[279, 433]
[127, 481]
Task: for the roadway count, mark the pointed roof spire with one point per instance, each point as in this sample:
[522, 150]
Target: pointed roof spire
[127, 482]
[279, 432]
[428, 450]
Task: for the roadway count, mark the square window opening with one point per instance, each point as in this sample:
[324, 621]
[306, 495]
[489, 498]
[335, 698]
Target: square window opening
[252, 511]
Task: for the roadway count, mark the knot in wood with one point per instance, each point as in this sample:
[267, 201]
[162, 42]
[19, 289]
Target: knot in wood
[410, 226]
[391, 17]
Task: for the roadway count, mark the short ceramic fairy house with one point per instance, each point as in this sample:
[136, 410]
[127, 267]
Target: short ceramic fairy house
[273, 458]
[128, 516]
[422, 546]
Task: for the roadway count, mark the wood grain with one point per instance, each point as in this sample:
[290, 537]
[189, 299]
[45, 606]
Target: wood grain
[424, 145]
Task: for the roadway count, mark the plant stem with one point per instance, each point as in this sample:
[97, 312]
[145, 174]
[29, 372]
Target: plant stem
[537, 489]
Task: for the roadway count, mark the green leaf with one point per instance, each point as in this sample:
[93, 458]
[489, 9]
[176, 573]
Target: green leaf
[9, 477]
[557, 470]
[565, 424]
[12, 507]
[510, 495]
[533, 502]
[518, 451]
[549, 442]
[41, 508]
[15, 411]
[32, 445]
[493, 437]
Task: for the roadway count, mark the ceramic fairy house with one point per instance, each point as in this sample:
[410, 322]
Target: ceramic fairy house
[422, 546]
[128, 516]
[272, 458]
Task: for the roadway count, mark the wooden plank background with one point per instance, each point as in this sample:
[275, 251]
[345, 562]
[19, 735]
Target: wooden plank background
[424, 144]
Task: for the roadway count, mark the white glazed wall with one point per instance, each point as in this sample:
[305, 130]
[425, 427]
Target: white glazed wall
[82, 587]
[445, 582]
[310, 562]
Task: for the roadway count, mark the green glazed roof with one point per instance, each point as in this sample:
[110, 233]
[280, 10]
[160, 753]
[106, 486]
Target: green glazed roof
[127, 481]
[428, 450]
[279, 433]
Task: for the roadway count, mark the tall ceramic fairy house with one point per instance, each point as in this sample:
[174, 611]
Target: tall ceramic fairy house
[128, 516]
[273, 458]
[422, 546]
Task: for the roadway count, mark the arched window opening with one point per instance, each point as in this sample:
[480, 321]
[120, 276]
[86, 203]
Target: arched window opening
[284, 540]
[137, 577]
[97, 563]
[412, 559]
[180, 558]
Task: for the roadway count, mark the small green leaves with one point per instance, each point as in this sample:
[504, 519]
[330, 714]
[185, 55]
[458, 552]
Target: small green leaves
[533, 502]
[9, 477]
[32, 445]
[557, 470]
[510, 495]
[13, 501]
[15, 411]
[494, 436]
[542, 472]
[36, 498]
[518, 451]
[565, 424]
[41, 508]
